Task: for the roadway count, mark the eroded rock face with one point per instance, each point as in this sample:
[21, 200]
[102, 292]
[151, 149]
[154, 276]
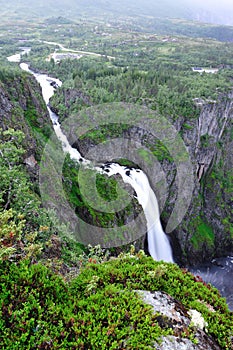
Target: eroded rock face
[22, 108]
[31, 162]
[172, 314]
[174, 343]
[207, 228]
[206, 231]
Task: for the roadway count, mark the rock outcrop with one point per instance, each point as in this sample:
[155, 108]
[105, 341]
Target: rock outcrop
[182, 321]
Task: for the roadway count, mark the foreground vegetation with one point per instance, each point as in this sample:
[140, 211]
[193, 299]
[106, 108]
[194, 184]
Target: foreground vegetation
[100, 309]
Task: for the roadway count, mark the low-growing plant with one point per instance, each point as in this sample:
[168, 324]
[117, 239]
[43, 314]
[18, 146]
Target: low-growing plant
[100, 309]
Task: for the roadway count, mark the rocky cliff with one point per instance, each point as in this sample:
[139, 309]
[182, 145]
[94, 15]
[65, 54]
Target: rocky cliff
[207, 230]
[22, 108]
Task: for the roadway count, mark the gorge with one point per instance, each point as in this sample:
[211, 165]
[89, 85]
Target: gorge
[216, 273]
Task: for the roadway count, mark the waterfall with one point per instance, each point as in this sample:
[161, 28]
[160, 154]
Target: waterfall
[158, 242]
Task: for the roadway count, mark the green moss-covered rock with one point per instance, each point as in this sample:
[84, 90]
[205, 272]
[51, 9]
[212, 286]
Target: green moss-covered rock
[102, 308]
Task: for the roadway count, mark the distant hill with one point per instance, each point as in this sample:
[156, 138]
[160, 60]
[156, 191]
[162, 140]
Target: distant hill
[205, 11]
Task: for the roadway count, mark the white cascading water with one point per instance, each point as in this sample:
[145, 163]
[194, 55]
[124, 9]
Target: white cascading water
[158, 242]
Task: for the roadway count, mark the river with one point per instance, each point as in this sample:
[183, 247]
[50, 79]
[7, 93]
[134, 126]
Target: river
[220, 274]
[17, 57]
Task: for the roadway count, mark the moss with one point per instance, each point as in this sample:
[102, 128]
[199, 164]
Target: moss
[104, 132]
[203, 234]
[71, 251]
[106, 187]
[99, 309]
[146, 156]
[41, 132]
[158, 149]
[228, 226]
[187, 126]
[205, 140]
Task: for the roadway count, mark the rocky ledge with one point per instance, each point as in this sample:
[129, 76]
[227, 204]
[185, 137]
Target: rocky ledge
[183, 322]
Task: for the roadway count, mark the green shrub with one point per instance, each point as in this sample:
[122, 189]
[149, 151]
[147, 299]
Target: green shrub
[100, 308]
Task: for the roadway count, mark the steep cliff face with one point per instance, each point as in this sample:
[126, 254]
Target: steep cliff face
[22, 108]
[207, 230]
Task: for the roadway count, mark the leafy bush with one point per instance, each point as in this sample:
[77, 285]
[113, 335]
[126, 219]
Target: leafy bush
[99, 309]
